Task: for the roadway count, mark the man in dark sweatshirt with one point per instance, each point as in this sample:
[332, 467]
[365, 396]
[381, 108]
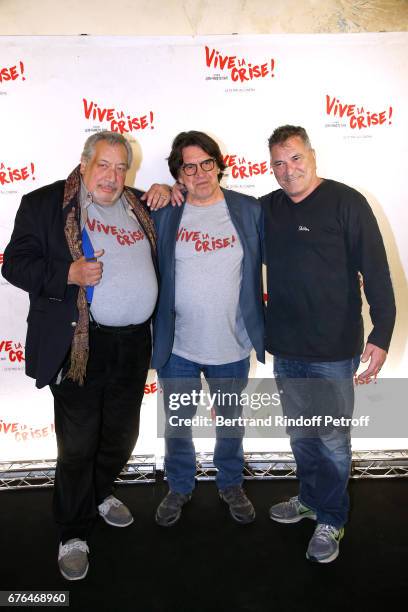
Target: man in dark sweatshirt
[320, 235]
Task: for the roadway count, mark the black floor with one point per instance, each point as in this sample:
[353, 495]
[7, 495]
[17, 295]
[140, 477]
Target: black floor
[209, 563]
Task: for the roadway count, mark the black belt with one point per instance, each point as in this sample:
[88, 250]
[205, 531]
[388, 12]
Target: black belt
[112, 329]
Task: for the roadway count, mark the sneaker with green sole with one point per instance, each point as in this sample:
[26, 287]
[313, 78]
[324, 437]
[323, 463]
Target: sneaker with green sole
[291, 511]
[324, 545]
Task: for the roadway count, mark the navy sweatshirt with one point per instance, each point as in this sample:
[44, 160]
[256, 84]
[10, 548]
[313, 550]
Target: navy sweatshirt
[314, 252]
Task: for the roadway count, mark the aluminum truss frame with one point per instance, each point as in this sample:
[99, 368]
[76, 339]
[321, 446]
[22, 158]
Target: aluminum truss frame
[258, 466]
[40, 474]
[281, 465]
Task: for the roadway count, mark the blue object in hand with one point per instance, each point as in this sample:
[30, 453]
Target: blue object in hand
[89, 254]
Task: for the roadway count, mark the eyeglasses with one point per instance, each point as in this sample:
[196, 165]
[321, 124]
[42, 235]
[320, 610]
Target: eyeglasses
[207, 165]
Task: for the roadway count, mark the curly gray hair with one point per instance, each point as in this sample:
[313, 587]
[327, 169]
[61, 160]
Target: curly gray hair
[112, 138]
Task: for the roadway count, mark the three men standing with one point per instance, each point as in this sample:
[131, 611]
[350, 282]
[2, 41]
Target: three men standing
[89, 323]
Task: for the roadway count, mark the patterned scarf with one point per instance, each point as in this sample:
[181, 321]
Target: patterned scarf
[72, 229]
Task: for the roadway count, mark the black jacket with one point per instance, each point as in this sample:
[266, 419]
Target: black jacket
[37, 260]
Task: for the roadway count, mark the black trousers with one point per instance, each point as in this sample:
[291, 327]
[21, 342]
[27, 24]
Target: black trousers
[97, 425]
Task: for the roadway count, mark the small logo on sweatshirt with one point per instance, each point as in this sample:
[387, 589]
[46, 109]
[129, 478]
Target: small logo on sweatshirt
[303, 228]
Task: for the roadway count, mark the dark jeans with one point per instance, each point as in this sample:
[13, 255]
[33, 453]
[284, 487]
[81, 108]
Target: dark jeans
[180, 375]
[97, 425]
[322, 454]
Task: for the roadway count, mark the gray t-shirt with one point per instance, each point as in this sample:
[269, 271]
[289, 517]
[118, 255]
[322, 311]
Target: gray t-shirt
[209, 327]
[127, 292]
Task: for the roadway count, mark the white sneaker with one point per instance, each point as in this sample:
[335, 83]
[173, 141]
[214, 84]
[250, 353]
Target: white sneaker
[114, 512]
[73, 559]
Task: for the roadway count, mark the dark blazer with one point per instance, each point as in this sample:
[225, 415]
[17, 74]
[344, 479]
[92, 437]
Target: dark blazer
[37, 260]
[246, 216]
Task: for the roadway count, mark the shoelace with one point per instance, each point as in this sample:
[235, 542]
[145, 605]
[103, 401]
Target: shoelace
[67, 548]
[236, 495]
[299, 507]
[108, 503]
[323, 530]
[174, 498]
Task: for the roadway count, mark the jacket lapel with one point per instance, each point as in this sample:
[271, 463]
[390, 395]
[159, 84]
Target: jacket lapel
[234, 209]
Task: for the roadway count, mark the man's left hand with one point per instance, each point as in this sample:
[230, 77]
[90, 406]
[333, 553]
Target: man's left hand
[376, 357]
[157, 196]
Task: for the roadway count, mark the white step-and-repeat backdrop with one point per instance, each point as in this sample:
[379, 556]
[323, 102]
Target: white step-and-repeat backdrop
[348, 91]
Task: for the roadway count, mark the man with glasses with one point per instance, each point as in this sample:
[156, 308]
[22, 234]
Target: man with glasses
[209, 316]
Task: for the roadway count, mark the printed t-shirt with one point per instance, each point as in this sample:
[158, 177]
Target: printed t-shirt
[127, 292]
[209, 327]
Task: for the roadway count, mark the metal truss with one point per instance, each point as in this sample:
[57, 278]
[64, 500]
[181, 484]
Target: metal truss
[40, 474]
[281, 465]
[258, 466]
[380, 464]
[33, 474]
[139, 469]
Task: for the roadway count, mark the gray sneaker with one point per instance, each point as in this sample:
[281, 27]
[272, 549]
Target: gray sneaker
[240, 506]
[324, 545]
[169, 511]
[73, 559]
[291, 511]
[114, 512]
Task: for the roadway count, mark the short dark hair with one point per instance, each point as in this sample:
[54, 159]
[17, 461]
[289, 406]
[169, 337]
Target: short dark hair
[193, 139]
[282, 133]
